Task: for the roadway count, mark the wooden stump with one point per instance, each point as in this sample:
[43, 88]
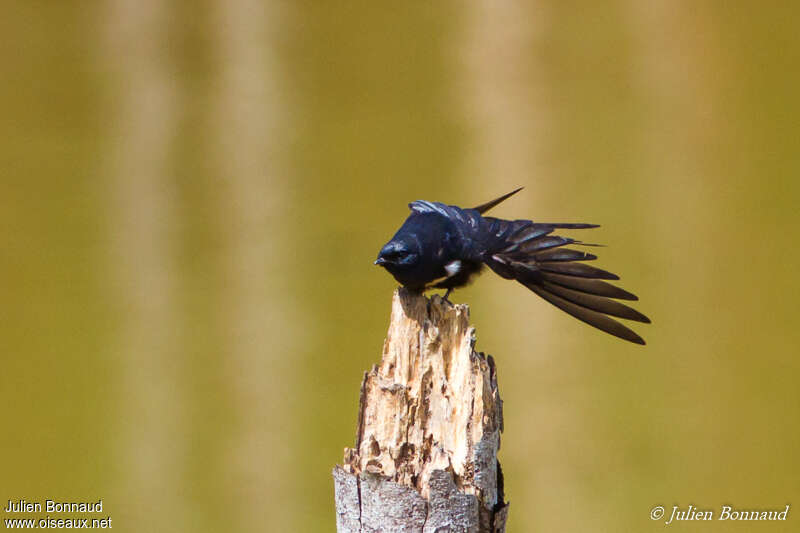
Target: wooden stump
[429, 425]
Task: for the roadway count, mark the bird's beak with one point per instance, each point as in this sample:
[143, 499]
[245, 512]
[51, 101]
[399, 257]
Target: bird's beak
[380, 261]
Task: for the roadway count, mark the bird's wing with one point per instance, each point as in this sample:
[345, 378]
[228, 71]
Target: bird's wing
[424, 206]
[529, 253]
[452, 211]
[488, 205]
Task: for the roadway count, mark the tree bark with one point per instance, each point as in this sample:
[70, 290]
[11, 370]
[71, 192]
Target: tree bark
[429, 425]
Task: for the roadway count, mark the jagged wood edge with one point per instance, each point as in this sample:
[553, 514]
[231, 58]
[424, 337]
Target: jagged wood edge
[368, 501]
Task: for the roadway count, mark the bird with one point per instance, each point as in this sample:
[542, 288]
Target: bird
[442, 246]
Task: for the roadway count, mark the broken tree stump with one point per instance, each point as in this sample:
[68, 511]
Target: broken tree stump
[429, 425]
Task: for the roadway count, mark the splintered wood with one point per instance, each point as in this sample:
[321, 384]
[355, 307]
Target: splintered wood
[429, 425]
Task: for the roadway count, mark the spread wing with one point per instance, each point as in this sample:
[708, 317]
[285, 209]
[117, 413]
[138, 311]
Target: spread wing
[529, 253]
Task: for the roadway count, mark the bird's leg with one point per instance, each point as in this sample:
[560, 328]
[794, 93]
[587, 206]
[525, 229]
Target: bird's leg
[446, 294]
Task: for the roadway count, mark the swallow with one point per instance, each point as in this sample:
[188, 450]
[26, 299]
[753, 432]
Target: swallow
[443, 246]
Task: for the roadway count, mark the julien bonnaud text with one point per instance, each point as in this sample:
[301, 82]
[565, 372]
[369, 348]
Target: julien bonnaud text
[50, 506]
[726, 513]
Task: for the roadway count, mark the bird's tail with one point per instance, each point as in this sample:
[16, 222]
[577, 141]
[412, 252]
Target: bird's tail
[529, 253]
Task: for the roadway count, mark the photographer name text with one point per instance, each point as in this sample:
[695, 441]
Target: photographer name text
[727, 512]
[51, 506]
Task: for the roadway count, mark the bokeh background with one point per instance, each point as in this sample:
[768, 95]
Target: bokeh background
[192, 194]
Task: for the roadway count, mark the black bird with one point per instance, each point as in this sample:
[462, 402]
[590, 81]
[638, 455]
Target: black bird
[444, 246]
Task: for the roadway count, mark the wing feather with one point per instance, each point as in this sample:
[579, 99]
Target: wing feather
[531, 254]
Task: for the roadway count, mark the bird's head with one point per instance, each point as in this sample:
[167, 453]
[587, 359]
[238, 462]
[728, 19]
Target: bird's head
[398, 255]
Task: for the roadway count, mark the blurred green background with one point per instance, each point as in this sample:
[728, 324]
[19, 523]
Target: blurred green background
[192, 194]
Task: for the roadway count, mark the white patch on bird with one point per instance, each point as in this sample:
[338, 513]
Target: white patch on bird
[452, 268]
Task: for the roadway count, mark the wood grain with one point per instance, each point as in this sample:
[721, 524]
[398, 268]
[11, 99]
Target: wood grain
[429, 425]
